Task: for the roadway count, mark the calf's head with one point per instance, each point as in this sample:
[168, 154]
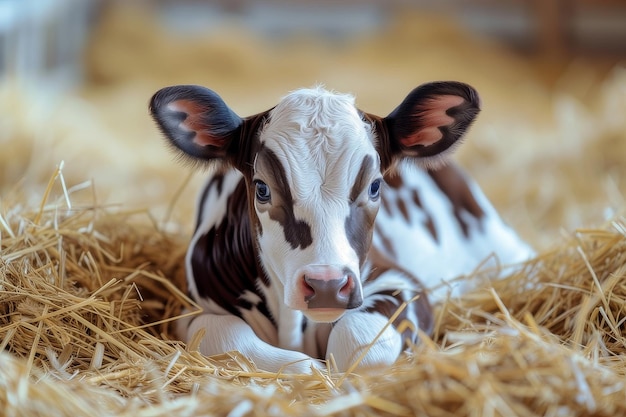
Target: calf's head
[314, 168]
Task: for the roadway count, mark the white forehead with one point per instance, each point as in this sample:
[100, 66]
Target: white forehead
[318, 135]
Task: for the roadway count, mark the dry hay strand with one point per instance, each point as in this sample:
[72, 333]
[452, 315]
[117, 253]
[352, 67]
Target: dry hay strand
[88, 294]
[574, 295]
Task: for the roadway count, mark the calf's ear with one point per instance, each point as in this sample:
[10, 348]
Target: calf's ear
[196, 121]
[429, 123]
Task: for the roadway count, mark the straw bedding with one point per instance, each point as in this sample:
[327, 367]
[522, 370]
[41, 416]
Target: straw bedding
[84, 292]
[89, 291]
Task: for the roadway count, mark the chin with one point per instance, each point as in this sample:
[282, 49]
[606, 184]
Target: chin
[324, 315]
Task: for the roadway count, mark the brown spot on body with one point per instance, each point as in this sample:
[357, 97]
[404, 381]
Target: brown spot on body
[451, 181]
[395, 181]
[415, 196]
[388, 307]
[403, 210]
[223, 260]
[423, 311]
[386, 204]
[216, 182]
[429, 223]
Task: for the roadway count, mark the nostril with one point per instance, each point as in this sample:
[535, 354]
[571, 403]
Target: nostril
[307, 289]
[347, 287]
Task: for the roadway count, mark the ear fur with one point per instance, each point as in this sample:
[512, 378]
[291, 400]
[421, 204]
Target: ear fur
[195, 120]
[430, 121]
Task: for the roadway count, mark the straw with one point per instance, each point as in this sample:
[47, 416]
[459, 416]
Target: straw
[89, 295]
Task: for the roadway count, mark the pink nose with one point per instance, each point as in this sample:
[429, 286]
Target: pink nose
[326, 286]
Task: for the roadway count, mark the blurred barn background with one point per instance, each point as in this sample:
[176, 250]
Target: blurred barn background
[549, 147]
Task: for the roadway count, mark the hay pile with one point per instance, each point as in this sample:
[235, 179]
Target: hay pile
[83, 291]
[91, 272]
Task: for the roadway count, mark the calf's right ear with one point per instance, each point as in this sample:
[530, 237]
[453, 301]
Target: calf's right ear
[429, 123]
[196, 121]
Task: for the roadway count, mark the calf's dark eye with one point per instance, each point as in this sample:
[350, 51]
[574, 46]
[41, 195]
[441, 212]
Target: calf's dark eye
[263, 194]
[374, 191]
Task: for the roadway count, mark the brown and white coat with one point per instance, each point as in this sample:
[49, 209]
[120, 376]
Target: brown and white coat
[319, 219]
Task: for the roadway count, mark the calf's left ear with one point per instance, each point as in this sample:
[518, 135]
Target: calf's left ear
[428, 124]
[196, 121]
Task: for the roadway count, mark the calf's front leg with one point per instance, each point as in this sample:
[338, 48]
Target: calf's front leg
[227, 333]
[352, 337]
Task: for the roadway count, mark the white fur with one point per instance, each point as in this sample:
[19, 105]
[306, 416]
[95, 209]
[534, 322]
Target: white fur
[226, 333]
[321, 138]
[352, 336]
[437, 262]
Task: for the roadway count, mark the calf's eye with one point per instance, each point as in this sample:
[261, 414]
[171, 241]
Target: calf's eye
[374, 191]
[263, 194]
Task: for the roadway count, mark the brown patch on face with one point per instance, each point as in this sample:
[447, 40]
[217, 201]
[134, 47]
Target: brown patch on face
[360, 182]
[360, 222]
[297, 232]
[452, 183]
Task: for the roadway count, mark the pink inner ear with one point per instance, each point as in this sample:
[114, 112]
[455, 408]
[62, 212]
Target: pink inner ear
[202, 138]
[432, 114]
[194, 122]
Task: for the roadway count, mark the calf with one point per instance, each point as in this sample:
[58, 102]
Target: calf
[319, 217]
